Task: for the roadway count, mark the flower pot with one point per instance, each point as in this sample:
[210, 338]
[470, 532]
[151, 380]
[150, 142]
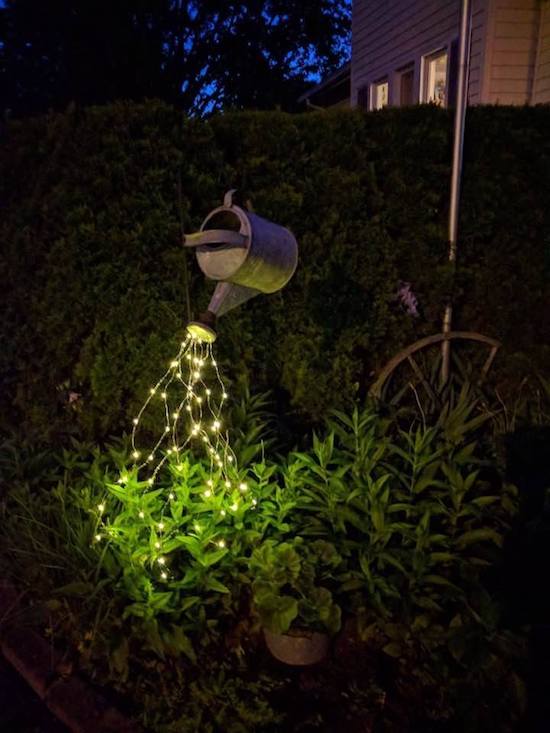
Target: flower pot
[299, 647]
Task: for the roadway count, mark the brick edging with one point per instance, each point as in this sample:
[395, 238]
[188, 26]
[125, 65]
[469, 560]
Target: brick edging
[71, 699]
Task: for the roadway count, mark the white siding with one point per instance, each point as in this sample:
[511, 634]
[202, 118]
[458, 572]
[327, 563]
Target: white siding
[541, 87]
[511, 51]
[387, 36]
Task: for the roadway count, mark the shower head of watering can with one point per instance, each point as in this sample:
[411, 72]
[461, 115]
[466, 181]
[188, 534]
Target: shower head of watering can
[246, 254]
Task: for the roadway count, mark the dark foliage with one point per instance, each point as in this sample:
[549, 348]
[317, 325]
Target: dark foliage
[93, 300]
[198, 55]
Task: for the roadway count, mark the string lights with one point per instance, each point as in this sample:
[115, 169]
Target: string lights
[191, 394]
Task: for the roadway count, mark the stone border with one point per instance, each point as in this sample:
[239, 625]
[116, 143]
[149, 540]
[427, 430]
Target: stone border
[71, 699]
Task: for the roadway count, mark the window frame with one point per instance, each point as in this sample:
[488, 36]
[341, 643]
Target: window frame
[399, 74]
[426, 59]
[373, 88]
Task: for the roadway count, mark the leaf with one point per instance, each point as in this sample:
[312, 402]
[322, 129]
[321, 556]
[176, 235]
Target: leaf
[393, 649]
[479, 535]
[215, 585]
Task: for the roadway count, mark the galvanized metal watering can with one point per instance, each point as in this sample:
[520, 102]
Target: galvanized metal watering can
[245, 253]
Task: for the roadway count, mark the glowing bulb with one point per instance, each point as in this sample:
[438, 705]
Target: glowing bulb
[221, 543]
[254, 502]
[214, 362]
[224, 395]
[171, 495]
[163, 575]
[101, 508]
[167, 429]
[135, 454]
[161, 561]
[176, 415]
[161, 525]
[188, 357]
[210, 482]
[152, 390]
[120, 481]
[222, 512]
[207, 494]
[216, 425]
[199, 400]
[157, 545]
[234, 507]
[243, 486]
[230, 459]
[141, 515]
[208, 391]
[150, 482]
[97, 537]
[204, 439]
[188, 408]
[228, 484]
[150, 458]
[195, 429]
[135, 421]
[163, 395]
[173, 364]
[196, 375]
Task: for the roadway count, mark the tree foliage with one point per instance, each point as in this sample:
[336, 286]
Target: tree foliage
[200, 55]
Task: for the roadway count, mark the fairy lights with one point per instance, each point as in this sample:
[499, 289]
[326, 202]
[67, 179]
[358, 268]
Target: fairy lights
[190, 396]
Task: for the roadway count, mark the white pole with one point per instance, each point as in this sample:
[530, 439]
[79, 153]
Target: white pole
[456, 174]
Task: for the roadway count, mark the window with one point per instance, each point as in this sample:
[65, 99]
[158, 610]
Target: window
[363, 97]
[435, 78]
[406, 86]
[380, 94]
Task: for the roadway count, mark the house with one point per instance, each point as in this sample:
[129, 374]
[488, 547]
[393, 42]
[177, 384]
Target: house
[405, 52]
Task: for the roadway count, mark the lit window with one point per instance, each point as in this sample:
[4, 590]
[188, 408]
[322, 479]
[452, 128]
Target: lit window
[380, 94]
[436, 78]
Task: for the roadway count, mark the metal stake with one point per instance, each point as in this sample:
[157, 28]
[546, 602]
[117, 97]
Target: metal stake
[456, 174]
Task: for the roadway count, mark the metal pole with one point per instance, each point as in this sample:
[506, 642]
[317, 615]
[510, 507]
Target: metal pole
[456, 174]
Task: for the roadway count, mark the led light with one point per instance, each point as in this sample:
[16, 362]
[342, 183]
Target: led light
[164, 575]
[196, 375]
[101, 508]
[163, 395]
[135, 421]
[135, 454]
[188, 408]
[171, 495]
[234, 507]
[141, 515]
[207, 494]
[230, 459]
[152, 390]
[151, 457]
[210, 482]
[151, 481]
[176, 415]
[199, 400]
[228, 484]
[222, 512]
[167, 429]
[157, 545]
[120, 481]
[254, 501]
[216, 425]
[161, 525]
[173, 364]
[208, 391]
[214, 362]
[221, 543]
[97, 537]
[204, 439]
[161, 561]
[224, 395]
[243, 486]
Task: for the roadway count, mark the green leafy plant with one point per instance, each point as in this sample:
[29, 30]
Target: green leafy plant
[291, 586]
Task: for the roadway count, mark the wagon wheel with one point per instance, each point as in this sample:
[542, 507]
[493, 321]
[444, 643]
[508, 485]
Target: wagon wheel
[415, 365]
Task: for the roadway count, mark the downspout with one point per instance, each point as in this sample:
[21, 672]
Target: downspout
[456, 173]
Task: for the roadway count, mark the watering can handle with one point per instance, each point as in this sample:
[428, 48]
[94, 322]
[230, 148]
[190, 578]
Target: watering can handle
[215, 236]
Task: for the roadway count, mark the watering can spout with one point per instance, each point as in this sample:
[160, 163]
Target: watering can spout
[225, 297]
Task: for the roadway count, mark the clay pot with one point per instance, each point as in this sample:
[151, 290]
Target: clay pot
[299, 647]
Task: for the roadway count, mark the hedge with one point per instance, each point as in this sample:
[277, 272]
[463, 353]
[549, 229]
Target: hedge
[93, 296]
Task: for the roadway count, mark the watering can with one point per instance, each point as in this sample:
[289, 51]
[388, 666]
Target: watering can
[245, 253]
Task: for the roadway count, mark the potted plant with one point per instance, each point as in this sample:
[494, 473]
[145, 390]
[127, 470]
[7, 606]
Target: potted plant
[293, 599]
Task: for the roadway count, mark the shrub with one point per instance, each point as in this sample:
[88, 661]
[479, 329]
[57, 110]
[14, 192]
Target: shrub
[94, 271]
